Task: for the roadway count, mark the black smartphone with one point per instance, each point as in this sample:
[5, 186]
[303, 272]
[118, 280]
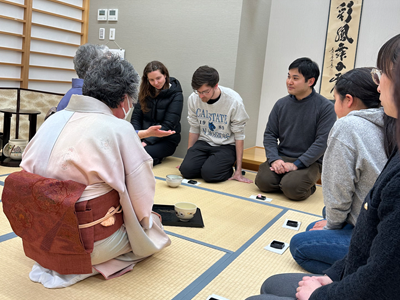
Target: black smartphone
[192, 181]
[277, 245]
[260, 197]
[292, 223]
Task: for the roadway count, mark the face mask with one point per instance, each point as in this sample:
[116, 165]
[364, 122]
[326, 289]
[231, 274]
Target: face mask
[127, 113]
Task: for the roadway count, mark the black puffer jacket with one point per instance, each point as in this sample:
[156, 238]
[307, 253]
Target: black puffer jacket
[164, 110]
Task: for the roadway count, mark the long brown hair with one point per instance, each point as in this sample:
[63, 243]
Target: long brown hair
[146, 89]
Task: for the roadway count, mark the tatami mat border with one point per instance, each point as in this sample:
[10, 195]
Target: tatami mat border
[203, 280]
[7, 236]
[197, 241]
[243, 198]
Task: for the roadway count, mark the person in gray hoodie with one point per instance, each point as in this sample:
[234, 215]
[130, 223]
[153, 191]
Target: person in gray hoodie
[356, 154]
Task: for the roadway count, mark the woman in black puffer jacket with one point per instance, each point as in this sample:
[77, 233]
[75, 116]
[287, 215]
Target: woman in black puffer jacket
[160, 103]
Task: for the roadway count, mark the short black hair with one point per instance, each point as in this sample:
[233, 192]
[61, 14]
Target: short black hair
[205, 75]
[109, 78]
[307, 68]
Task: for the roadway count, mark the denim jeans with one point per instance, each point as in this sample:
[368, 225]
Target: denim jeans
[317, 250]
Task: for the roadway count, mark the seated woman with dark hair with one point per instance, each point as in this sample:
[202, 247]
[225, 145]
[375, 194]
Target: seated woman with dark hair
[160, 103]
[358, 147]
[78, 175]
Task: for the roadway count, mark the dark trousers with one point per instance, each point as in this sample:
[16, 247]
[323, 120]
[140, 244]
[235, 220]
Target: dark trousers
[296, 185]
[212, 163]
[280, 287]
[160, 150]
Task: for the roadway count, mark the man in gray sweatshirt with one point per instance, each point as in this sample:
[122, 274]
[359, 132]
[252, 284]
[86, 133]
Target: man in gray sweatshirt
[217, 119]
[301, 122]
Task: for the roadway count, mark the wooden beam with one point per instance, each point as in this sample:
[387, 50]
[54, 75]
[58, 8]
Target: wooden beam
[56, 28]
[12, 19]
[56, 15]
[52, 68]
[12, 49]
[10, 79]
[51, 54]
[85, 19]
[66, 4]
[52, 41]
[13, 3]
[48, 80]
[10, 64]
[26, 44]
[12, 33]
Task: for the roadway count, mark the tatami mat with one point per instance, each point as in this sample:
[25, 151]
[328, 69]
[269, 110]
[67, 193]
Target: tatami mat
[5, 226]
[162, 276]
[226, 257]
[313, 204]
[229, 222]
[244, 276]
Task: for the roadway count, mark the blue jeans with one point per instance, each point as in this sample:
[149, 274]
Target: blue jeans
[317, 250]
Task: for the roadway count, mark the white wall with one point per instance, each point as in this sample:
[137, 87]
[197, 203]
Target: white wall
[298, 28]
[182, 34]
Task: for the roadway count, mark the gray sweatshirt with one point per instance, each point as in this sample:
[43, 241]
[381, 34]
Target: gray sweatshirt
[221, 123]
[354, 158]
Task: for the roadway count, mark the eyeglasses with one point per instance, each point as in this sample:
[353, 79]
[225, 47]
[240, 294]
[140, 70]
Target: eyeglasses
[202, 93]
[376, 75]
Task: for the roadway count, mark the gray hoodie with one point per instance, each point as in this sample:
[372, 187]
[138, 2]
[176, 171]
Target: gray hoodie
[352, 162]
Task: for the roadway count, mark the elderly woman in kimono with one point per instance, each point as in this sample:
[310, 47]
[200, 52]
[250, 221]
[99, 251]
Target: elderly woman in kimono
[78, 175]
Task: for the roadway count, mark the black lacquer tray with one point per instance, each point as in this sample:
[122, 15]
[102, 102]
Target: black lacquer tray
[169, 218]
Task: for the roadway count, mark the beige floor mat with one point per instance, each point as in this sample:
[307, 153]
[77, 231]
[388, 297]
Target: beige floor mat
[162, 276]
[245, 275]
[229, 222]
[313, 204]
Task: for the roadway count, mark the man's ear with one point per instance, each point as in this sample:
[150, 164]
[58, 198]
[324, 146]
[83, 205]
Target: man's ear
[310, 81]
[349, 100]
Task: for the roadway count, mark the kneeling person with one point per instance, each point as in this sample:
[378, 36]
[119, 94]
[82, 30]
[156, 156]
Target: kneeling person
[217, 119]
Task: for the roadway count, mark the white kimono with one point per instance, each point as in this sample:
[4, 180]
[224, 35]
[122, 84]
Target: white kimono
[86, 143]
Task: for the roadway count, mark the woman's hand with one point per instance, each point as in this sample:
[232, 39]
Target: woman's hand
[319, 225]
[309, 284]
[154, 131]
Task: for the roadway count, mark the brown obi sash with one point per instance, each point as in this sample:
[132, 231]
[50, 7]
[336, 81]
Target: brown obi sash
[44, 213]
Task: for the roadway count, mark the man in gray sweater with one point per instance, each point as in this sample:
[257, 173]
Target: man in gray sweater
[301, 122]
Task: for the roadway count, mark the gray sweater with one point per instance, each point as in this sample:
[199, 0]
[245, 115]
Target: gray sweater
[353, 160]
[301, 126]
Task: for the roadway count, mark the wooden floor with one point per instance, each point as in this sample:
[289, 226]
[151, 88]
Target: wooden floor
[226, 257]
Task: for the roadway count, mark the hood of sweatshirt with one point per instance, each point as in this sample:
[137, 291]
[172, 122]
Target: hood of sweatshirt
[373, 115]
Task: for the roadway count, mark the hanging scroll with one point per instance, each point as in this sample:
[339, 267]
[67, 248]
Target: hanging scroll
[341, 42]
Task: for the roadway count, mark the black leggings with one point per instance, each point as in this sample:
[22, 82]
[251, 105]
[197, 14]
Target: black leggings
[160, 150]
[212, 163]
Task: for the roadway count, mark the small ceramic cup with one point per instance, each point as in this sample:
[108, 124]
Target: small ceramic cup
[14, 148]
[185, 211]
[174, 180]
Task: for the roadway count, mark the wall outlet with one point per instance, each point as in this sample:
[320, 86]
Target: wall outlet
[112, 34]
[102, 33]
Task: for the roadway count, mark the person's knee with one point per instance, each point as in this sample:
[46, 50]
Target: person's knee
[187, 170]
[294, 190]
[210, 174]
[265, 180]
